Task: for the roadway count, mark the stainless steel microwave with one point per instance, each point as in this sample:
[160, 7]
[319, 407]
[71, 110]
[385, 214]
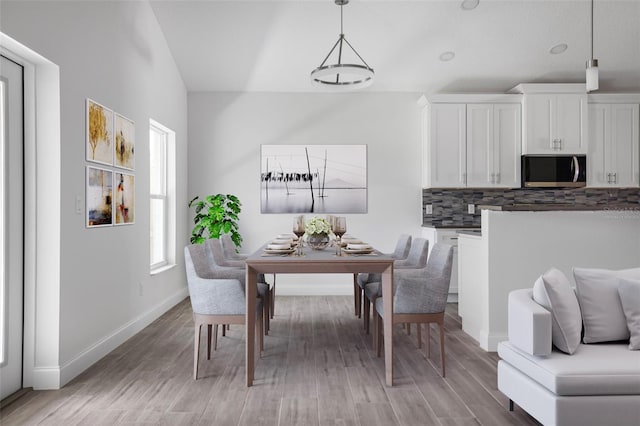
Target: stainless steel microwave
[554, 171]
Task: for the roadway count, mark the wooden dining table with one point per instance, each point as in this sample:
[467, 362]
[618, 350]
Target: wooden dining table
[315, 262]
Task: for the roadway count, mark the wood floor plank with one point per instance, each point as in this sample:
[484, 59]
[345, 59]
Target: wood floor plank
[318, 368]
[299, 412]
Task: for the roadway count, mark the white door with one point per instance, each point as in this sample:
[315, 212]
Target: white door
[11, 226]
[570, 123]
[507, 143]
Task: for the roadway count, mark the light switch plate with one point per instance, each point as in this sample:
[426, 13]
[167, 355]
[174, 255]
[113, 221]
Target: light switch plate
[471, 208]
[428, 209]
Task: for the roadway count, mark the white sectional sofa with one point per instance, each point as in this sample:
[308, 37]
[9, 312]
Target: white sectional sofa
[599, 384]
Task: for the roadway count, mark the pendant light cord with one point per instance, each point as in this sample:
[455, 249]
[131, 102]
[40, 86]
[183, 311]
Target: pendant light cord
[591, 29]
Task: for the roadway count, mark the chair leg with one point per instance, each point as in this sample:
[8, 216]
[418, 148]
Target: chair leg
[366, 314]
[224, 329]
[266, 304]
[209, 330]
[408, 329]
[510, 405]
[196, 351]
[441, 346]
[419, 335]
[215, 337]
[273, 297]
[379, 335]
[259, 329]
[427, 351]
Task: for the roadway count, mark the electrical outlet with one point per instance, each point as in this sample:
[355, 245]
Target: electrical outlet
[428, 209]
[78, 204]
[140, 288]
[471, 208]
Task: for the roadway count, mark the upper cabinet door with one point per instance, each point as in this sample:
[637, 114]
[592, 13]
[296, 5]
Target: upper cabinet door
[555, 124]
[623, 157]
[614, 145]
[507, 141]
[480, 136]
[446, 146]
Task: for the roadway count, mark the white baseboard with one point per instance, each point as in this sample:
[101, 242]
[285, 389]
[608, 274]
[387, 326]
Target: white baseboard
[489, 342]
[46, 378]
[90, 356]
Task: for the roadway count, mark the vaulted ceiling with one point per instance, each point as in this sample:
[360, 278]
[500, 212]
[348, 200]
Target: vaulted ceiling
[272, 46]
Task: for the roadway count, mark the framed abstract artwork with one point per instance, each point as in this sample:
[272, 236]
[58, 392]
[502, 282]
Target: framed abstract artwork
[99, 196]
[313, 179]
[124, 203]
[124, 148]
[99, 138]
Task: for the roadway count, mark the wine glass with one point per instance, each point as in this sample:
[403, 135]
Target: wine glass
[339, 229]
[298, 229]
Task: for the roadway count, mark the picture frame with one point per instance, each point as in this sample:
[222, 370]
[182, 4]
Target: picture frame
[321, 179]
[99, 133]
[99, 197]
[124, 200]
[124, 146]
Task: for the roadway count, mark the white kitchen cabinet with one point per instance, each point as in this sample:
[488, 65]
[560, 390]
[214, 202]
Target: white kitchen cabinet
[614, 145]
[472, 145]
[445, 150]
[493, 145]
[555, 123]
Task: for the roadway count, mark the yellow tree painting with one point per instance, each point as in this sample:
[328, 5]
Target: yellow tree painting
[99, 133]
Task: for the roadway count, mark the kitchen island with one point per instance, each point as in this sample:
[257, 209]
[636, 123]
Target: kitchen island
[516, 247]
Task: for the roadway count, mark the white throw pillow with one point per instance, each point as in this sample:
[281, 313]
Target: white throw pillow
[602, 314]
[553, 291]
[629, 291]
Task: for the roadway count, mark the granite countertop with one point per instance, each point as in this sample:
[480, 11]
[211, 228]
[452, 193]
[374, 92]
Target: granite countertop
[559, 207]
[472, 232]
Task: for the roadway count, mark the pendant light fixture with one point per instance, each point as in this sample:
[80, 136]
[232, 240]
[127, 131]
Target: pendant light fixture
[340, 76]
[592, 64]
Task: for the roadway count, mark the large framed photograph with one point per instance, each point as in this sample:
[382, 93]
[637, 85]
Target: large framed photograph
[125, 143]
[313, 179]
[125, 198]
[99, 196]
[99, 137]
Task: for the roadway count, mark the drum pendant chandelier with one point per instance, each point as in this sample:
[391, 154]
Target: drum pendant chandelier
[339, 76]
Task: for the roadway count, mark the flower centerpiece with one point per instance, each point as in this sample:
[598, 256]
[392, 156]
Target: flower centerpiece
[317, 231]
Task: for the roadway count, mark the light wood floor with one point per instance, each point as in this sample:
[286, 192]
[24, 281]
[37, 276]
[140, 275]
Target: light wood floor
[318, 368]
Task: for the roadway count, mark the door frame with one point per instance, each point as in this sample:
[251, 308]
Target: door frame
[42, 187]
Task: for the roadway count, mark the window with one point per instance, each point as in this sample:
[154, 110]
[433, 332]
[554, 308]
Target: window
[162, 196]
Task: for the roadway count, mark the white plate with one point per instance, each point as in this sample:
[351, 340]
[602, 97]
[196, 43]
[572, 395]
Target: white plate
[361, 246]
[358, 251]
[278, 251]
[350, 241]
[286, 237]
[286, 246]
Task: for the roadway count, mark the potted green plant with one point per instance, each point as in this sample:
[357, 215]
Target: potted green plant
[216, 215]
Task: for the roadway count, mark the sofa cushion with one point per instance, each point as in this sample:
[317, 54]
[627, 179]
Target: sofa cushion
[602, 369]
[629, 291]
[553, 291]
[602, 314]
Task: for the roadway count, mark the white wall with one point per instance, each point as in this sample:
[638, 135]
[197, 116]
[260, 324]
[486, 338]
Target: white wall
[114, 53]
[227, 129]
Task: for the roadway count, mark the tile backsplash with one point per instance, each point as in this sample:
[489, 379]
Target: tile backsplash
[449, 206]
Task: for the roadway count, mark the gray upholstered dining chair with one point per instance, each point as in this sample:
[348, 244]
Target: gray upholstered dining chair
[230, 253]
[235, 269]
[420, 296]
[401, 252]
[213, 301]
[416, 259]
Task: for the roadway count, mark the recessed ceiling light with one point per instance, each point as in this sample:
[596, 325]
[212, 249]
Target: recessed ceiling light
[447, 56]
[469, 4]
[558, 49]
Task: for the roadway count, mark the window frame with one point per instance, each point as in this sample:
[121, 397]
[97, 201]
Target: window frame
[168, 196]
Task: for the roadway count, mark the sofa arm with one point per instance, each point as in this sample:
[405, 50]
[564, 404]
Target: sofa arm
[529, 323]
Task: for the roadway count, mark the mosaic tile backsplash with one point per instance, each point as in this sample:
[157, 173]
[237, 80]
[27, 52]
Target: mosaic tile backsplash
[450, 205]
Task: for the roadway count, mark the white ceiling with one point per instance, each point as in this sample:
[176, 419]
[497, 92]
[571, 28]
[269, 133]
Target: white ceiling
[273, 45]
